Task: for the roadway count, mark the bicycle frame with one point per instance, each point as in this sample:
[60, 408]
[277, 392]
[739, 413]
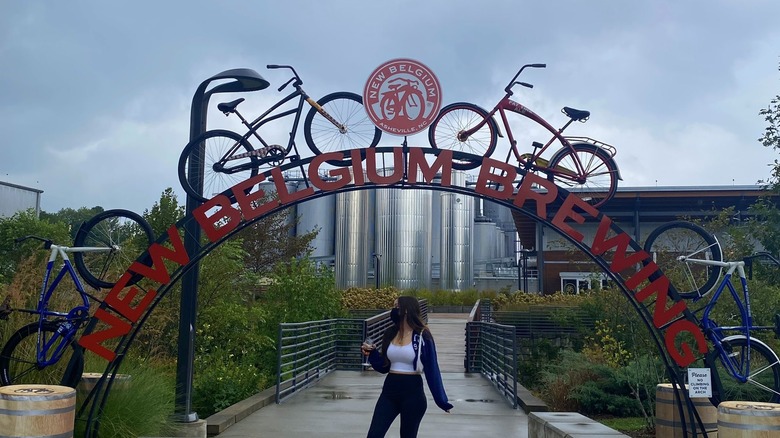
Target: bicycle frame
[73, 318]
[264, 118]
[532, 160]
[254, 125]
[507, 104]
[716, 333]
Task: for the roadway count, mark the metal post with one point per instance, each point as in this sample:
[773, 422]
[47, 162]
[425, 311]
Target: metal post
[377, 268]
[243, 80]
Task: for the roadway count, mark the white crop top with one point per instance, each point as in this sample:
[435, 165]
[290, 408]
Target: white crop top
[401, 358]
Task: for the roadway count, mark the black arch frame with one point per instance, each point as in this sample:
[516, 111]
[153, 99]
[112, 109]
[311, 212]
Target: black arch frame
[93, 405]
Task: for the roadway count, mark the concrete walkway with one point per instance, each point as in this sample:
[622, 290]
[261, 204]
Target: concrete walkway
[342, 403]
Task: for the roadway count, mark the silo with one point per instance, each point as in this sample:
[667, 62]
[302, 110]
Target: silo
[436, 223]
[510, 243]
[403, 235]
[351, 242]
[483, 240]
[502, 216]
[456, 237]
[319, 214]
[498, 242]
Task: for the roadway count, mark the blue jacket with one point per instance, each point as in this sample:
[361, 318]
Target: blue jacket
[426, 361]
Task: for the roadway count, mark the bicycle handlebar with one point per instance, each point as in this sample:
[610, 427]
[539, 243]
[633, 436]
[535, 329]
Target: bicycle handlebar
[297, 79]
[749, 261]
[508, 88]
[47, 243]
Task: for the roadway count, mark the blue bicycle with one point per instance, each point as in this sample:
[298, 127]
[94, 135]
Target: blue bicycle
[744, 368]
[44, 351]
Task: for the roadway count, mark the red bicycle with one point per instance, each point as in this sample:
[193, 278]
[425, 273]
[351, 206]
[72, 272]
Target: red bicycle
[583, 165]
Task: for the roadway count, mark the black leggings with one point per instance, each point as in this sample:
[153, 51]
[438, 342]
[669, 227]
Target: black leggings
[401, 394]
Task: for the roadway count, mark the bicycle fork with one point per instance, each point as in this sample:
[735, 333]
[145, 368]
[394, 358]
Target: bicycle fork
[328, 117]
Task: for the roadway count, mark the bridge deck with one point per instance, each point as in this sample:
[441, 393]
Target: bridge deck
[342, 403]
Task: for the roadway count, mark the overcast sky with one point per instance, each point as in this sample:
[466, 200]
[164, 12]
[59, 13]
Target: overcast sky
[95, 95]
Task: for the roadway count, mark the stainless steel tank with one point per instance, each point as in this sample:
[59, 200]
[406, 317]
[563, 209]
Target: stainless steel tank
[403, 235]
[436, 222]
[351, 239]
[484, 228]
[456, 268]
[318, 214]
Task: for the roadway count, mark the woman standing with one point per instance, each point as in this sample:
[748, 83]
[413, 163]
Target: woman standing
[407, 351]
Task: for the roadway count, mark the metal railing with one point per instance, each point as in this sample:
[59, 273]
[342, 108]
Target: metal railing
[491, 349]
[308, 351]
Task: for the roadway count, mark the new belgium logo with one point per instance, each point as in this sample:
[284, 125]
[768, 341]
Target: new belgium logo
[402, 97]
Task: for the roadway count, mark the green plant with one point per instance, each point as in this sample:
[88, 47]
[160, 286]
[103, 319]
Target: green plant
[222, 380]
[575, 383]
[141, 407]
[534, 355]
[360, 298]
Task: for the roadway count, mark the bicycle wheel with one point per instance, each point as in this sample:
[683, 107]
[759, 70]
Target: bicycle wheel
[18, 363]
[414, 105]
[347, 109]
[763, 377]
[679, 238]
[601, 174]
[217, 171]
[127, 233]
[456, 118]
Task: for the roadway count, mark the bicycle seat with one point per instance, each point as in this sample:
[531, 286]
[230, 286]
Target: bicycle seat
[578, 115]
[229, 107]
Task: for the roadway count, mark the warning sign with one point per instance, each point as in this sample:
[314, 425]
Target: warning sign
[699, 382]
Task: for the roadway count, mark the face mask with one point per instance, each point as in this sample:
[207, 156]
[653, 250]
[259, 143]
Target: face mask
[395, 315]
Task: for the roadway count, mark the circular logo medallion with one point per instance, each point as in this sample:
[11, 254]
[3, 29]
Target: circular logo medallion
[402, 97]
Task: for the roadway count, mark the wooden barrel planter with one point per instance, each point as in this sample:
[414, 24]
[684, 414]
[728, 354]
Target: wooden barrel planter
[667, 414]
[741, 419]
[89, 380]
[37, 411]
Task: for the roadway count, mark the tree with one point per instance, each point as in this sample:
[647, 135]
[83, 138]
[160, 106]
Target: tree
[26, 223]
[771, 137]
[767, 229]
[164, 212]
[73, 218]
[271, 240]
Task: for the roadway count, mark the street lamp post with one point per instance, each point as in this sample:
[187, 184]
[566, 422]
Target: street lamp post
[377, 267]
[232, 81]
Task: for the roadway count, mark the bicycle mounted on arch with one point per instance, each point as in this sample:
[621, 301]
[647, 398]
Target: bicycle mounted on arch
[744, 367]
[335, 123]
[582, 164]
[45, 351]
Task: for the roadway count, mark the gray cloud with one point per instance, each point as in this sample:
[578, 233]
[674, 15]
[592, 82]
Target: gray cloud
[94, 96]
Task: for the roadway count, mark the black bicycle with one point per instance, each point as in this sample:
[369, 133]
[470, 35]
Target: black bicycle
[335, 123]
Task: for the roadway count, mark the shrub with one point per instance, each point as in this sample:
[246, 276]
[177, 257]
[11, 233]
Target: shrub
[222, 380]
[142, 408]
[361, 298]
